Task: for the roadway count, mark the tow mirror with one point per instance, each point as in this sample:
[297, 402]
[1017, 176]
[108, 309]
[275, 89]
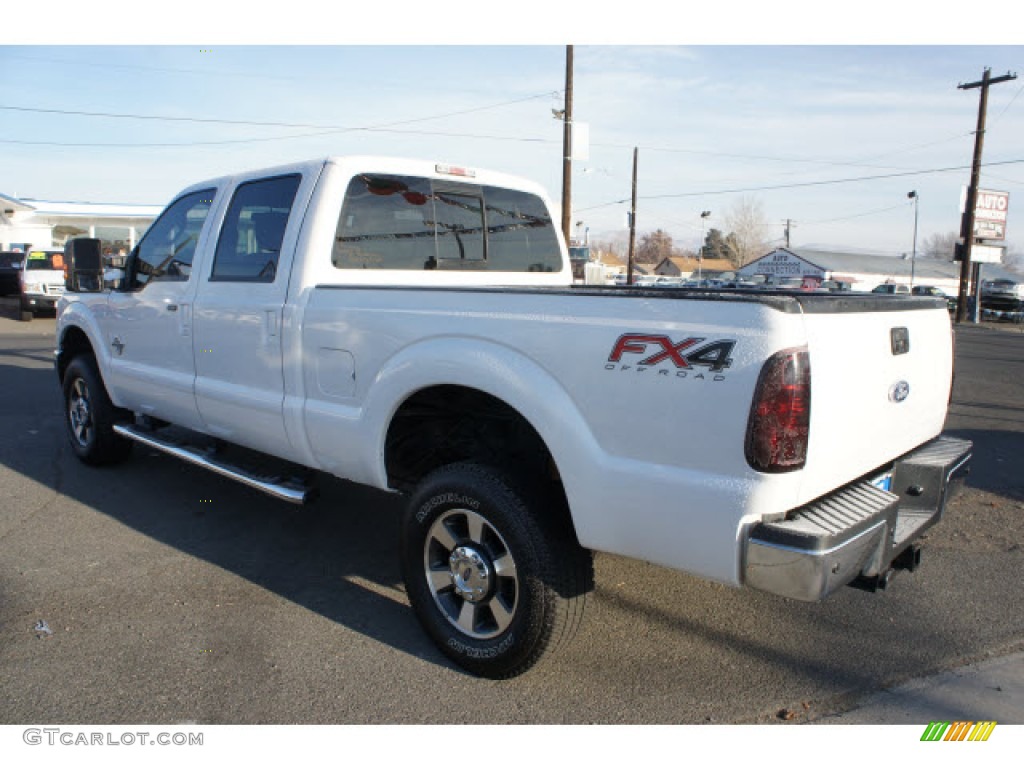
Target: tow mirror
[130, 265]
[83, 265]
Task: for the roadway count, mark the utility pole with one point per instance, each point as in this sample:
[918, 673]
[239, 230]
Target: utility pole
[632, 224]
[567, 148]
[913, 256]
[789, 223]
[967, 227]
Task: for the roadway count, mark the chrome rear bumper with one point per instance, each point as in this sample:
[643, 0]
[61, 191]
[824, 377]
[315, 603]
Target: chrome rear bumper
[856, 533]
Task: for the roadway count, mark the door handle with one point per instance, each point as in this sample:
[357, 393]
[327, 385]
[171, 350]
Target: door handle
[272, 320]
[172, 307]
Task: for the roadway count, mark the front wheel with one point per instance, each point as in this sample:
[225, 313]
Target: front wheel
[89, 415]
[494, 574]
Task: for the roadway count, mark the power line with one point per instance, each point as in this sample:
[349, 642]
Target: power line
[147, 68]
[221, 121]
[326, 129]
[150, 145]
[832, 181]
[858, 215]
[205, 73]
[740, 156]
[1002, 178]
[825, 182]
[924, 145]
[524, 139]
[1009, 104]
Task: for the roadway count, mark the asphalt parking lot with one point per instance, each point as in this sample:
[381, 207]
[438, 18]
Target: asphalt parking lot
[155, 592]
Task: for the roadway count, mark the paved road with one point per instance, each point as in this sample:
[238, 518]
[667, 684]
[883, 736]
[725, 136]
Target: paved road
[174, 595]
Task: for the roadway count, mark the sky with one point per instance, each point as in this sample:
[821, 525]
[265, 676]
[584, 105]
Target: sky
[831, 136]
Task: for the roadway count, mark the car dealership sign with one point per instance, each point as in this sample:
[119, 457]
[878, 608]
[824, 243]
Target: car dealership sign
[782, 263]
[989, 213]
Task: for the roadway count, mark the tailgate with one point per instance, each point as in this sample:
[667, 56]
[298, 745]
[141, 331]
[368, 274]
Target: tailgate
[880, 387]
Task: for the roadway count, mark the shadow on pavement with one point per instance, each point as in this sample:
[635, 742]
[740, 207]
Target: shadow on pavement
[337, 557]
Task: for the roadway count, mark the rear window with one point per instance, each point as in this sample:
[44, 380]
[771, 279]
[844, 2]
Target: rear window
[407, 222]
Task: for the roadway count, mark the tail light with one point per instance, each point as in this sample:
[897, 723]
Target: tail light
[780, 415]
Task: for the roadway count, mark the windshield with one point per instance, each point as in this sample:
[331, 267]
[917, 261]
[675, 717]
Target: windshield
[43, 260]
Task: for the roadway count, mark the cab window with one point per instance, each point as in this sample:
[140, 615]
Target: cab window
[253, 231]
[168, 247]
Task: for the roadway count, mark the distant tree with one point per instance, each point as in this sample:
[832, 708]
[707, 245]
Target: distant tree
[606, 247]
[719, 246]
[938, 246]
[653, 247]
[1014, 259]
[748, 229]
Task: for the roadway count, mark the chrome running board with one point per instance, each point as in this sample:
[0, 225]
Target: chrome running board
[278, 487]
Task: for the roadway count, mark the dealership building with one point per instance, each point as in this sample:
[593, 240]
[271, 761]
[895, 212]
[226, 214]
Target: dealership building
[27, 223]
[863, 272]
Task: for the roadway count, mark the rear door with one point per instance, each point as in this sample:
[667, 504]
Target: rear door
[239, 312]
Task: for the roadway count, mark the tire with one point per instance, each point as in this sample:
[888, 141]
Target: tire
[26, 316]
[494, 573]
[90, 416]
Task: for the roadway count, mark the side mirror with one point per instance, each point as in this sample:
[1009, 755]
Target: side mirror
[130, 263]
[83, 265]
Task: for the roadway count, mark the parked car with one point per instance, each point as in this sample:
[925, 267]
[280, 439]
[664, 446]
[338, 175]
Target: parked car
[834, 286]
[810, 283]
[931, 290]
[891, 288]
[10, 265]
[742, 284]
[787, 284]
[40, 282]
[1002, 295]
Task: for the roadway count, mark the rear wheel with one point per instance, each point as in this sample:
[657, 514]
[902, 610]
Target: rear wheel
[90, 416]
[494, 573]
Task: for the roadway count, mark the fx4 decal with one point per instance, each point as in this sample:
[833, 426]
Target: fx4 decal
[716, 356]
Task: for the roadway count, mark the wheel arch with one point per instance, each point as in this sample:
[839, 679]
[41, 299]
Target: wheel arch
[463, 376]
[73, 342]
[451, 423]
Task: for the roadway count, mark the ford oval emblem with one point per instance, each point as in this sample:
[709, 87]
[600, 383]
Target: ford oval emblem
[899, 391]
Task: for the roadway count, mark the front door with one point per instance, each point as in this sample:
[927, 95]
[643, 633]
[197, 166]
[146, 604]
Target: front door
[149, 326]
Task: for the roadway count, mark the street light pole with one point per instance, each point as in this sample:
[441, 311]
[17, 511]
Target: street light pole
[913, 256]
[700, 253]
[567, 148]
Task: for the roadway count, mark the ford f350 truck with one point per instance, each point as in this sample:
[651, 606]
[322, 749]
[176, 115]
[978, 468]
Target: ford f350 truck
[414, 327]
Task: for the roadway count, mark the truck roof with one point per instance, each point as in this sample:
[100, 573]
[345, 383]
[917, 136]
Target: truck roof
[382, 164]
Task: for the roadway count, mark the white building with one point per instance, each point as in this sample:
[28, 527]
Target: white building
[28, 223]
[862, 271]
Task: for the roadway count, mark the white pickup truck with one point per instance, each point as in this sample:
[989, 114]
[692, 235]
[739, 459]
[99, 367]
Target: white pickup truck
[414, 327]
